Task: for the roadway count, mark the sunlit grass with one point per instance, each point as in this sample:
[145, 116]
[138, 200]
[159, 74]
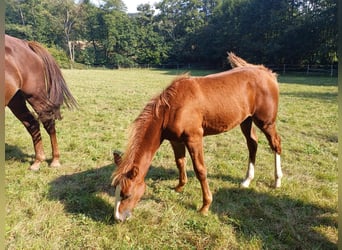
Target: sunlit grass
[72, 207]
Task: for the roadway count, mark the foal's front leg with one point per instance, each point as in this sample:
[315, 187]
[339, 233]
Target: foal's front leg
[179, 152]
[195, 148]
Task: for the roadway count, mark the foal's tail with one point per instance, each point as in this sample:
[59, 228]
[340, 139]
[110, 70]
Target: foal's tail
[57, 90]
[236, 62]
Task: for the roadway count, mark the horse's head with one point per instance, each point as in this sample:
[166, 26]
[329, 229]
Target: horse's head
[129, 188]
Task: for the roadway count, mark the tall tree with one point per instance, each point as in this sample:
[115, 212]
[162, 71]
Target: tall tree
[180, 21]
[183, 31]
[151, 47]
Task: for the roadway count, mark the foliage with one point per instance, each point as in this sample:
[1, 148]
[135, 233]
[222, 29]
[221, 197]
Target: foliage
[60, 56]
[72, 207]
[182, 31]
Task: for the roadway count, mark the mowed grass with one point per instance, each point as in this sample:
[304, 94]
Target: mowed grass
[72, 207]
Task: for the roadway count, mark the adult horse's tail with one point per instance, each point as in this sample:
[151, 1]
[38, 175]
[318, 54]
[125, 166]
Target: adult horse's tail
[57, 90]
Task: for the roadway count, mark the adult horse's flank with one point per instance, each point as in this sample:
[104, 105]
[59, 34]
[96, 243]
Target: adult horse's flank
[31, 74]
[187, 110]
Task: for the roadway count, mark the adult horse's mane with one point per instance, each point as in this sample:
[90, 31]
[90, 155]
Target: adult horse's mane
[154, 109]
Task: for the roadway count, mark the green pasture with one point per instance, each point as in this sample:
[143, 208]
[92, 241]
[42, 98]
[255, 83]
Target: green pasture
[72, 207]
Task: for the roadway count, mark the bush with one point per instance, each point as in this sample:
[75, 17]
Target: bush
[118, 61]
[60, 57]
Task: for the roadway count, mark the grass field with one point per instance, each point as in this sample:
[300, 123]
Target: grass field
[72, 207]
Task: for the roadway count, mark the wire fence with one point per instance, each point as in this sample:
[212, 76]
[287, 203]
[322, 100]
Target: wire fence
[314, 69]
[309, 69]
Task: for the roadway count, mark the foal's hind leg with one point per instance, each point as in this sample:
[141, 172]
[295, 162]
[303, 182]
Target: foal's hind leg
[179, 152]
[252, 144]
[18, 106]
[275, 143]
[49, 126]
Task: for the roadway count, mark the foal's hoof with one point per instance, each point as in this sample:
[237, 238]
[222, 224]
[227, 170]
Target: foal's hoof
[277, 184]
[245, 184]
[35, 166]
[55, 164]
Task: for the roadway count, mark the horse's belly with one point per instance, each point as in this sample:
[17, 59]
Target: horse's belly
[216, 128]
[223, 123]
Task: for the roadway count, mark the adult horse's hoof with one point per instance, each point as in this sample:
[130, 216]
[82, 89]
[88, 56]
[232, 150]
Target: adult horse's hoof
[204, 210]
[179, 188]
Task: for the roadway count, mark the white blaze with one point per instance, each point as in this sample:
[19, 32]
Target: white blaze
[125, 214]
[117, 203]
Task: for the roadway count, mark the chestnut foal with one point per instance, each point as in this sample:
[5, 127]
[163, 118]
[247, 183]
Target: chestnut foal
[187, 110]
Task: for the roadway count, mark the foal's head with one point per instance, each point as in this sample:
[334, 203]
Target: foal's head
[129, 188]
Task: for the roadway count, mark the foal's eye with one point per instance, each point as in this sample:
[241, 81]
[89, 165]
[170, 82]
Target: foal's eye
[124, 196]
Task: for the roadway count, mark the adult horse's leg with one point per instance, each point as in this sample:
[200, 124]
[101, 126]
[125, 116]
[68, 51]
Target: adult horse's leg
[252, 144]
[179, 152]
[18, 106]
[49, 126]
[195, 147]
[275, 143]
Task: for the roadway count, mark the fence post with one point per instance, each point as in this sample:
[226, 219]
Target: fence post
[284, 68]
[307, 70]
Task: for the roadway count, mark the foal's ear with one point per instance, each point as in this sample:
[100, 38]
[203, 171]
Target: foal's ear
[133, 173]
[117, 158]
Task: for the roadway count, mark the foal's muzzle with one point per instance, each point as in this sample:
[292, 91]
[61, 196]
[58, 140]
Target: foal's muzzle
[117, 215]
[123, 216]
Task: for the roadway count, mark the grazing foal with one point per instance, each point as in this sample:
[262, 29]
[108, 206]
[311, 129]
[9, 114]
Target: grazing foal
[189, 109]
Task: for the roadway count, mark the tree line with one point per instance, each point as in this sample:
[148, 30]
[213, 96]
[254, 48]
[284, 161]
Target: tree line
[197, 32]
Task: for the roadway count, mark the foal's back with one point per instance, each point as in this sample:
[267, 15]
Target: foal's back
[221, 101]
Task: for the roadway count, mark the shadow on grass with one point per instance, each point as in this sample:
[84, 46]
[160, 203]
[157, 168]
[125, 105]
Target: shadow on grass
[279, 221]
[79, 192]
[15, 153]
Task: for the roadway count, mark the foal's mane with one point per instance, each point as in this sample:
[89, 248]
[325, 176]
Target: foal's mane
[154, 109]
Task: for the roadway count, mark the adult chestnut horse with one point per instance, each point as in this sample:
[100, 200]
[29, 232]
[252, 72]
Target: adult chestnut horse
[187, 110]
[32, 75]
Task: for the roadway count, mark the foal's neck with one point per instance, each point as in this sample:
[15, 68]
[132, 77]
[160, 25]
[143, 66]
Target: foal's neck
[147, 145]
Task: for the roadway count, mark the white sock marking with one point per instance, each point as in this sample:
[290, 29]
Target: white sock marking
[278, 171]
[249, 175]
